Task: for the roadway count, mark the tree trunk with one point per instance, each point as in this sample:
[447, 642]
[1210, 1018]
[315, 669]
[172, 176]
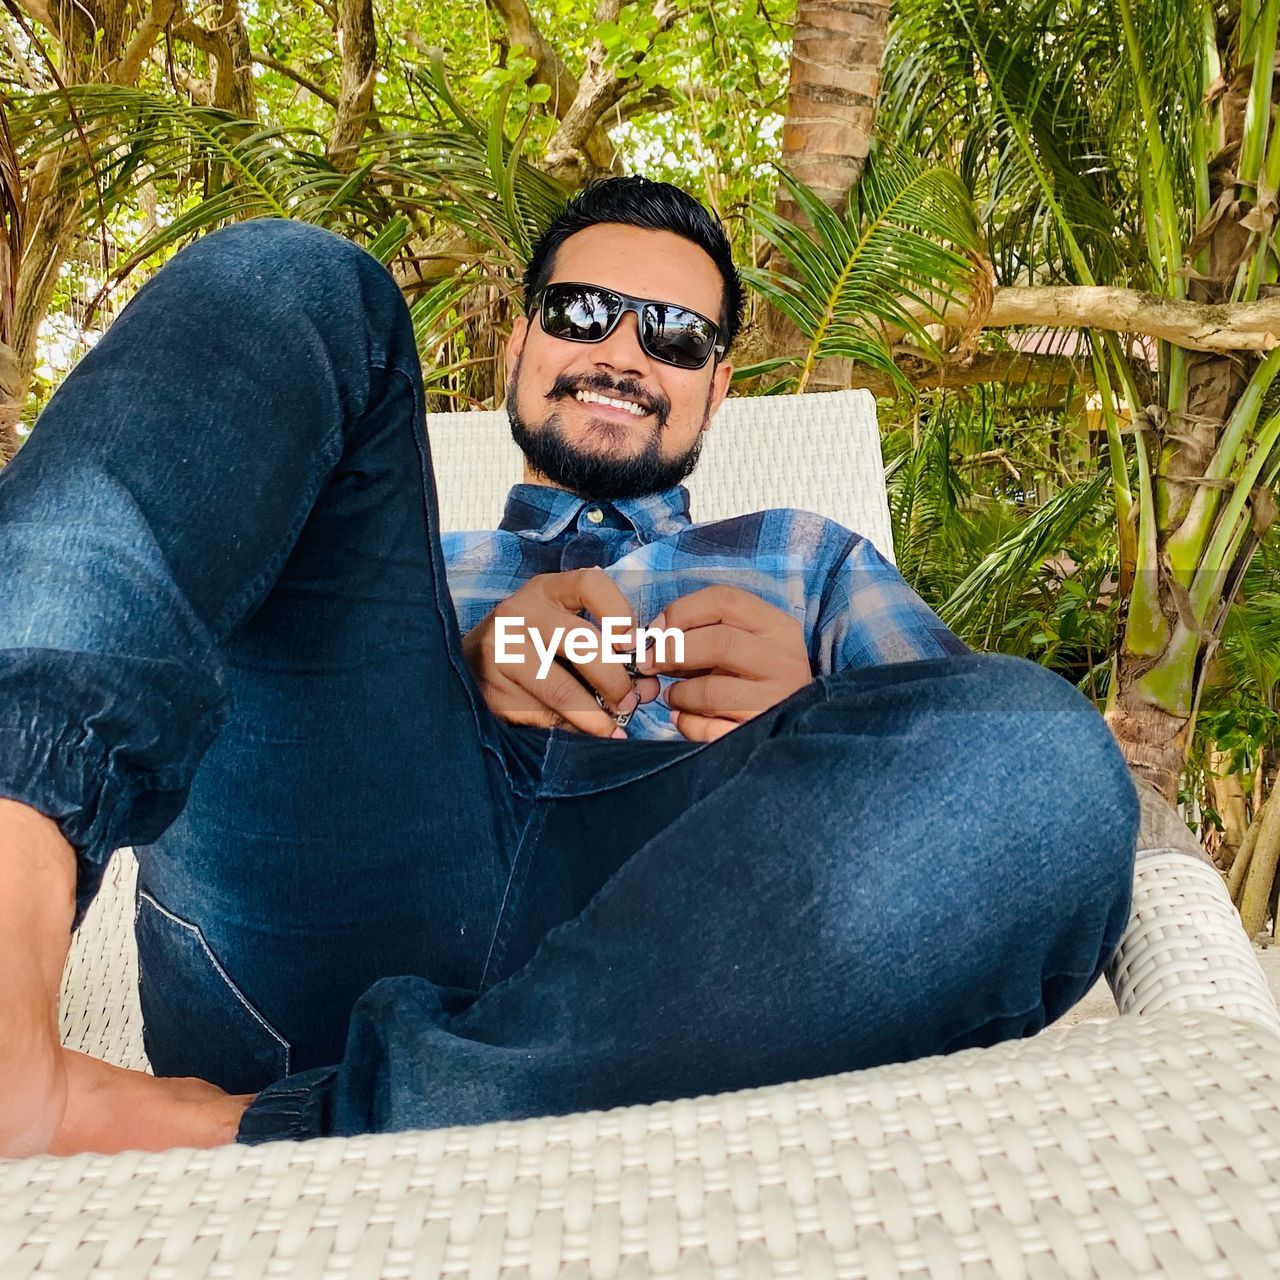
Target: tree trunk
[1228, 798]
[1153, 741]
[836, 52]
[233, 82]
[53, 218]
[1255, 900]
[104, 40]
[358, 43]
[12, 231]
[1161, 661]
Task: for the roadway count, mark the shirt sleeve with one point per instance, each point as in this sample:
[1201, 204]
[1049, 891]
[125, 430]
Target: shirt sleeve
[870, 616]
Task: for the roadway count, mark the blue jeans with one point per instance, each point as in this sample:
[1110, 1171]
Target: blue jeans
[228, 641]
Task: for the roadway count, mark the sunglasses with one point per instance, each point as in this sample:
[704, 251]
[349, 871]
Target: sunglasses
[588, 313]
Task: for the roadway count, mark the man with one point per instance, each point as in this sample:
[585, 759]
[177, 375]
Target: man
[824, 836]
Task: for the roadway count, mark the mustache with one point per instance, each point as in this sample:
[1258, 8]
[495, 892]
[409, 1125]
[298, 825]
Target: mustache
[568, 385]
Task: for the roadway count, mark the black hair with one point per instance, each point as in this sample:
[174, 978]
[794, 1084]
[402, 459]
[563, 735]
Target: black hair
[653, 206]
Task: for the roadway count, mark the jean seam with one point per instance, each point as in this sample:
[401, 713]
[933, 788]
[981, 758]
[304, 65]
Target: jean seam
[198, 934]
[233, 612]
[598, 898]
[528, 838]
[444, 607]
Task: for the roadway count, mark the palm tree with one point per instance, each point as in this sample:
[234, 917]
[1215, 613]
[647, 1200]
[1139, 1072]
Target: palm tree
[390, 191]
[1125, 163]
[836, 51]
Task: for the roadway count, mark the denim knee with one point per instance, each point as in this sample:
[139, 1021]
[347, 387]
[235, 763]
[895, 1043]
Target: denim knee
[278, 274]
[976, 808]
[274, 253]
[1022, 762]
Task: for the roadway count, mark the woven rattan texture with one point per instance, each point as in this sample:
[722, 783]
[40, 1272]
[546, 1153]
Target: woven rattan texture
[1139, 1147]
[818, 453]
[1184, 947]
[99, 1001]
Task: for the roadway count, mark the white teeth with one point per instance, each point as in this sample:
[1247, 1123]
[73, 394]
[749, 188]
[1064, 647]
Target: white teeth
[593, 397]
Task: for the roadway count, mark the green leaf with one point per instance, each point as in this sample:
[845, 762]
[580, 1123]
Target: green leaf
[907, 244]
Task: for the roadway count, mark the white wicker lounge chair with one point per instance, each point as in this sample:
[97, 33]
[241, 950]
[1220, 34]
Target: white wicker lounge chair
[1146, 1146]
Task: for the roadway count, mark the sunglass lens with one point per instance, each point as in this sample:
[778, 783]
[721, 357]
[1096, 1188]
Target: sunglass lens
[680, 337]
[577, 313]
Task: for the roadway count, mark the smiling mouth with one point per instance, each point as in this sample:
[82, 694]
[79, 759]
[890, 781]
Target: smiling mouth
[612, 402]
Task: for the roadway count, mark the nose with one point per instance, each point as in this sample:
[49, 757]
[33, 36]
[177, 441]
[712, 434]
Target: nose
[621, 351]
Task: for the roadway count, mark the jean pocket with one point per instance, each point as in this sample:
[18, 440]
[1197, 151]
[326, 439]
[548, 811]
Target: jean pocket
[195, 1020]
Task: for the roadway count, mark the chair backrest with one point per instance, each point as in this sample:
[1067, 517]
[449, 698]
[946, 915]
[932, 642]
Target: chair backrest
[819, 453]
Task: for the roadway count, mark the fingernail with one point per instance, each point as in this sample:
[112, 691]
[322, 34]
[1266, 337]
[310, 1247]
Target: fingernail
[629, 703]
[619, 733]
[675, 718]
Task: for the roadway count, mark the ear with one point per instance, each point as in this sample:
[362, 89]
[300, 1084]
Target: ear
[515, 343]
[720, 381]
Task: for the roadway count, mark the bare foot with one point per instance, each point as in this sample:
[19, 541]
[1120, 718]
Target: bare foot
[37, 902]
[111, 1109]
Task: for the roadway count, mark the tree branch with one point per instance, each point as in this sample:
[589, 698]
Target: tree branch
[228, 45]
[181, 78]
[659, 99]
[581, 142]
[1198, 326]
[40, 12]
[150, 29]
[266, 60]
[1013, 367]
[193, 33]
[522, 29]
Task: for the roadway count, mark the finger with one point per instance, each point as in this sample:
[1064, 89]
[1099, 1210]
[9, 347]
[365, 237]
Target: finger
[559, 700]
[723, 603]
[568, 701]
[594, 590]
[701, 728]
[648, 687]
[579, 648]
[717, 647]
[728, 697]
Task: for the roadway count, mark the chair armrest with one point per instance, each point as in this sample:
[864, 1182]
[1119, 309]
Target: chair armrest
[1184, 947]
[1135, 1147]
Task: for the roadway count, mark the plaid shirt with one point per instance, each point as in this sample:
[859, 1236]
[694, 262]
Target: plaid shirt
[856, 608]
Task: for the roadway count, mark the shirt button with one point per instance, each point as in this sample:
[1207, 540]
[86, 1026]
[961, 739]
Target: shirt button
[595, 515]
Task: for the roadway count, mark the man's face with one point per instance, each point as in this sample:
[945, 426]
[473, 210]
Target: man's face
[596, 450]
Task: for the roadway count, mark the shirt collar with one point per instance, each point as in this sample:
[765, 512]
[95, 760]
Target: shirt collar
[542, 513]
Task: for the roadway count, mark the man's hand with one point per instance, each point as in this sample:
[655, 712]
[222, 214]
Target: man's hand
[513, 691]
[37, 905]
[741, 657]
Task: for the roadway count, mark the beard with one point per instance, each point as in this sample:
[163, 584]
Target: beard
[596, 476]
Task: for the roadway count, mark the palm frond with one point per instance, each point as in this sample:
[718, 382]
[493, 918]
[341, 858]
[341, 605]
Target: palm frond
[906, 247]
[465, 176]
[1047, 122]
[974, 606]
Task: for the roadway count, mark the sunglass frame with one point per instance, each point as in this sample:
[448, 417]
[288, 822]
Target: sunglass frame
[636, 307]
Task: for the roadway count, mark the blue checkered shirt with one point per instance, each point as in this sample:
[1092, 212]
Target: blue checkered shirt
[856, 608]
